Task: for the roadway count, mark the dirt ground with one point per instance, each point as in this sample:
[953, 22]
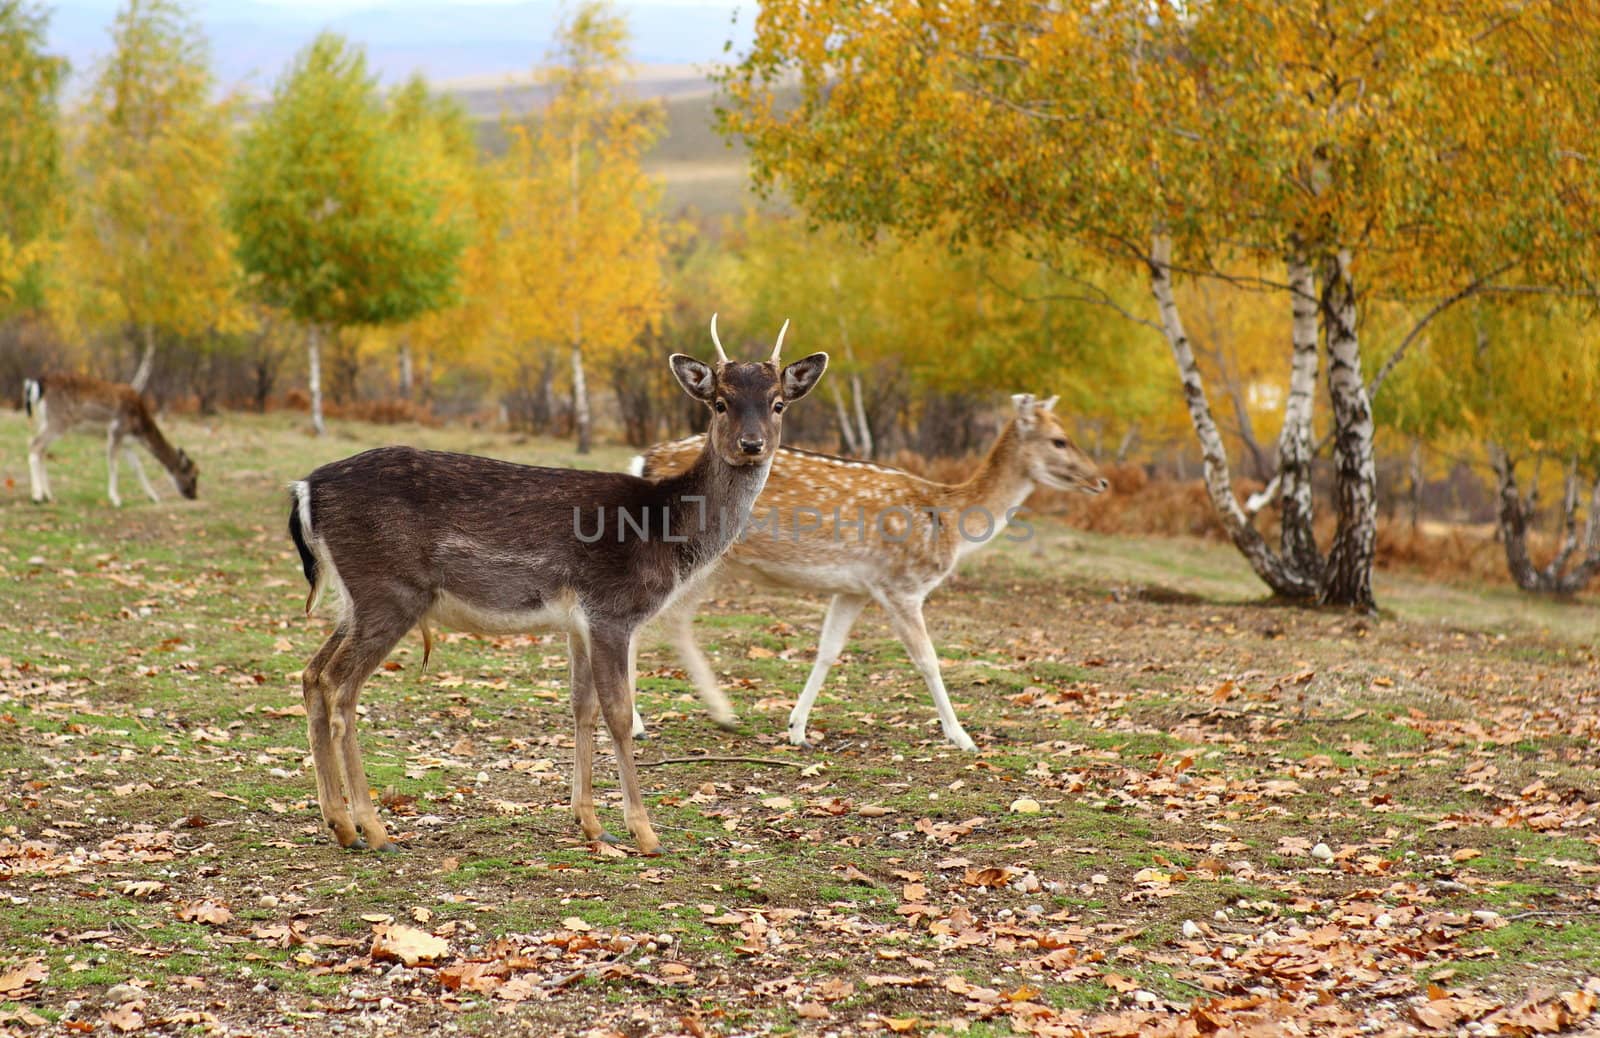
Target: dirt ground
[1192, 811]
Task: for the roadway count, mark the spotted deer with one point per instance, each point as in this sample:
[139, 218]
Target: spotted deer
[407, 538]
[864, 533]
[58, 402]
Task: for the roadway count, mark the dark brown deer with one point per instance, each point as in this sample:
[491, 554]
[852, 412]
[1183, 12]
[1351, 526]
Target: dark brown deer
[407, 537]
[59, 402]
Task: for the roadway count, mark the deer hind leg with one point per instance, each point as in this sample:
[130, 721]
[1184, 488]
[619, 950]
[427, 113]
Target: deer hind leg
[113, 442]
[585, 708]
[680, 628]
[841, 616]
[608, 665]
[370, 640]
[330, 775]
[138, 470]
[905, 614]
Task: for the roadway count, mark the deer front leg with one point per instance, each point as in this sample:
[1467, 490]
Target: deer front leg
[138, 470]
[609, 666]
[330, 781]
[905, 614]
[38, 479]
[585, 708]
[841, 616]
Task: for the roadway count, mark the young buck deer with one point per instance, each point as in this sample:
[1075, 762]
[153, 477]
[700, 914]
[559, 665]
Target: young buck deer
[868, 533]
[59, 402]
[409, 537]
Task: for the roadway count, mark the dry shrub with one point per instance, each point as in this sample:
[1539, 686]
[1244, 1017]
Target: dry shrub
[383, 412]
[378, 412]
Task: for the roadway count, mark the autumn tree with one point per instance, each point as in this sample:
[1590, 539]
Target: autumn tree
[585, 238]
[31, 181]
[1347, 152]
[1513, 382]
[147, 246]
[337, 211]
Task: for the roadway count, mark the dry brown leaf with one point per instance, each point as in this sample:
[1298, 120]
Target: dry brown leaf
[126, 1018]
[407, 945]
[207, 911]
[14, 983]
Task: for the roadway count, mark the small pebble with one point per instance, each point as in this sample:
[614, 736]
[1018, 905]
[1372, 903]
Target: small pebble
[1322, 852]
[1025, 806]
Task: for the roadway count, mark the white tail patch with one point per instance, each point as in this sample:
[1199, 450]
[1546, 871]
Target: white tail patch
[327, 572]
[636, 465]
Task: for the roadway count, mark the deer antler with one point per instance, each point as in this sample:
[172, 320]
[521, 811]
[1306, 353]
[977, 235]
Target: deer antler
[722, 358]
[779, 346]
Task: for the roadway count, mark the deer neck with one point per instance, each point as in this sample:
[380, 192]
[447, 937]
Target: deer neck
[144, 428]
[1002, 480]
[711, 504]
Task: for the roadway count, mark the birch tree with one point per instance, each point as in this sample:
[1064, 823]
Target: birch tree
[338, 215]
[1409, 151]
[148, 250]
[585, 236]
[32, 184]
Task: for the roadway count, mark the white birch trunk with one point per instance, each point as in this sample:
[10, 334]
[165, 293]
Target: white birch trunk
[314, 360]
[1219, 483]
[147, 360]
[1298, 543]
[1347, 578]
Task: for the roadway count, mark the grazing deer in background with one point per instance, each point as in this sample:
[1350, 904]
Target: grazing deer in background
[868, 533]
[59, 402]
[408, 537]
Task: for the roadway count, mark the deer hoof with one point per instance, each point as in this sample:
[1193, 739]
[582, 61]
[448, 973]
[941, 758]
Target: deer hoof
[389, 848]
[728, 724]
[358, 844]
[655, 852]
[606, 837]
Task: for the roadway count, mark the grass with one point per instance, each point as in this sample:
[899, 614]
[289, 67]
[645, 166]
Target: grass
[1186, 753]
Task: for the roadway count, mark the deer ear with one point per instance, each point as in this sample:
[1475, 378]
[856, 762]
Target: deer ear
[1026, 408]
[1048, 405]
[697, 379]
[802, 375]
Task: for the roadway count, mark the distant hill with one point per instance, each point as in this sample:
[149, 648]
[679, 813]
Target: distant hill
[252, 42]
[483, 54]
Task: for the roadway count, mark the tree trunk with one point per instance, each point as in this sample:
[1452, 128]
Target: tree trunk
[147, 360]
[863, 428]
[1514, 517]
[1414, 468]
[1130, 439]
[1347, 579]
[314, 359]
[1282, 578]
[1298, 542]
[847, 428]
[405, 371]
[580, 402]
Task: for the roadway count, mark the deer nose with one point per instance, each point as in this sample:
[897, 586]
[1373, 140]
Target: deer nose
[751, 446]
[1104, 483]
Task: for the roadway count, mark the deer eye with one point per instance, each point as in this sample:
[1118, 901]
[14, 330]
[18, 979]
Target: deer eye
[722, 407]
[777, 407]
[1059, 442]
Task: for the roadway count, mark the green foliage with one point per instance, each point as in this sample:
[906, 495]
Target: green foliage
[335, 206]
[31, 180]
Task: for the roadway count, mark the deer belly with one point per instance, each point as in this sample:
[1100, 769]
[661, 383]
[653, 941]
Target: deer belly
[459, 614]
[844, 576]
